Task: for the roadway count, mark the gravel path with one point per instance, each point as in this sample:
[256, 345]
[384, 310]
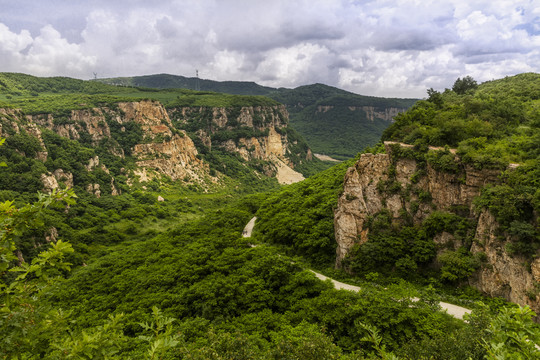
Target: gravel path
[249, 227]
[451, 309]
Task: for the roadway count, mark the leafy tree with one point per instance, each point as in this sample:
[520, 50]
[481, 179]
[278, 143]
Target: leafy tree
[27, 323]
[462, 86]
[435, 97]
[513, 335]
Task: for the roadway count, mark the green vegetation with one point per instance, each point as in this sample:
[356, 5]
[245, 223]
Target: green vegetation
[491, 125]
[59, 95]
[211, 293]
[174, 279]
[334, 122]
[166, 81]
[300, 216]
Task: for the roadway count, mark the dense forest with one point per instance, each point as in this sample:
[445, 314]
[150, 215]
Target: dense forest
[161, 270]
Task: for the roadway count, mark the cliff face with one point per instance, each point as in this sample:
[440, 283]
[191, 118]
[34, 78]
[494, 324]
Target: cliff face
[144, 130]
[362, 198]
[372, 112]
[161, 149]
[254, 133]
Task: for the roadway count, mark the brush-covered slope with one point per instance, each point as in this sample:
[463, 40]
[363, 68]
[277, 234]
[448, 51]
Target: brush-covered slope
[120, 148]
[455, 192]
[336, 122]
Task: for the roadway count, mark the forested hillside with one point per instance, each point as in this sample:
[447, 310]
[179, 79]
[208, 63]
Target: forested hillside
[122, 223]
[336, 122]
[120, 152]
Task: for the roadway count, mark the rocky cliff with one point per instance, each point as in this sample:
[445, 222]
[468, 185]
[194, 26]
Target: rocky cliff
[401, 186]
[372, 112]
[141, 129]
[254, 133]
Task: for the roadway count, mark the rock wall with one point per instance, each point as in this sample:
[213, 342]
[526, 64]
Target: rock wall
[372, 113]
[502, 275]
[164, 150]
[388, 114]
[269, 142]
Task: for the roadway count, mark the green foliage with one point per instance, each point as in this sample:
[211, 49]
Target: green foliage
[23, 172]
[392, 250]
[462, 86]
[458, 344]
[513, 335]
[407, 251]
[161, 336]
[301, 216]
[59, 95]
[375, 339]
[443, 161]
[166, 81]
[304, 342]
[457, 265]
[26, 322]
[100, 342]
[334, 121]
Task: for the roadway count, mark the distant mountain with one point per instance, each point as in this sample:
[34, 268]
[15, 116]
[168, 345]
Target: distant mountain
[335, 122]
[166, 81]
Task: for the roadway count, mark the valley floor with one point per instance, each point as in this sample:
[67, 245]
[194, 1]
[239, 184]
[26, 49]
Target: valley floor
[454, 310]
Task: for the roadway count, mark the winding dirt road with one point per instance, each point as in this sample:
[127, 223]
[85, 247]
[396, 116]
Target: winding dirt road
[451, 309]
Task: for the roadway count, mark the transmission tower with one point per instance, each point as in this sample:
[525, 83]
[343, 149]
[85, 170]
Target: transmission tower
[197, 83]
[95, 75]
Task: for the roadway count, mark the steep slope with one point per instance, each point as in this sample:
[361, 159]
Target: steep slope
[470, 213]
[257, 134]
[140, 130]
[336, 122]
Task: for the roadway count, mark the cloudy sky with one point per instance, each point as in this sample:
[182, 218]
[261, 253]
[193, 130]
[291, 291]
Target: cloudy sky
[380, 47]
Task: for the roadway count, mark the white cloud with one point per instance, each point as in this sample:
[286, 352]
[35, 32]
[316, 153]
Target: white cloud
[51, 54]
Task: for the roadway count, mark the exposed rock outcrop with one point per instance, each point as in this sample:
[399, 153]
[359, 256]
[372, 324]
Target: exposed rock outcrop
[388, 114]
[255, 133]
[506, 276]
[94, 189]
[51, 180]
[176, 158]
[503, 275]
[262, 134]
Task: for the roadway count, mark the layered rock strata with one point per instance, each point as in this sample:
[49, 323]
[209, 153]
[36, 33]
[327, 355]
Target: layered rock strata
[502, 275]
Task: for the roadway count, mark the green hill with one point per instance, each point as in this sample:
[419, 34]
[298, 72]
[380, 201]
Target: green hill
[336, 122]
[166, 81]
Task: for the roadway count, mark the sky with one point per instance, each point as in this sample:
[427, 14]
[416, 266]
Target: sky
[384, 48]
